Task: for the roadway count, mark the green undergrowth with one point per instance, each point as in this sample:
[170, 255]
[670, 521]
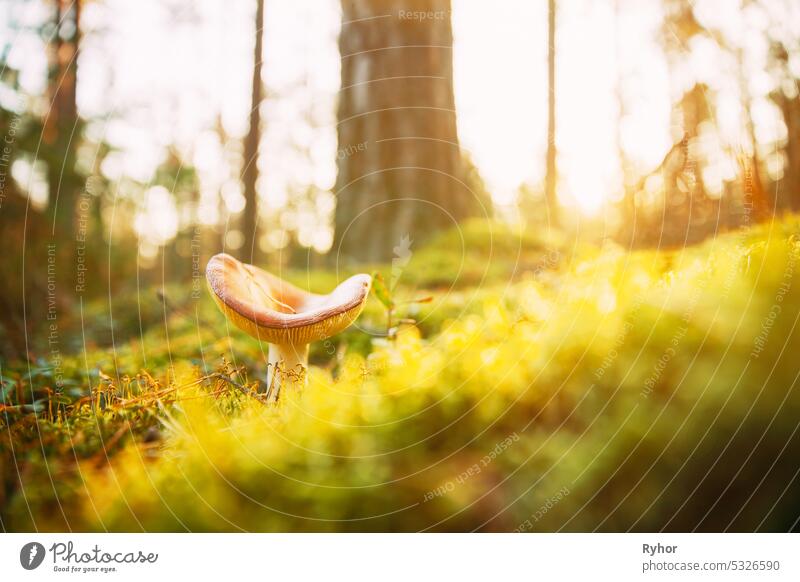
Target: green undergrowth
[599, 389]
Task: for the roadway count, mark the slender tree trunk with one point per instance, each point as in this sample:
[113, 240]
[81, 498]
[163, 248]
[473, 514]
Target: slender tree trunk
[551, 176]
[400, 171]
[61, 129]
[629, 193]
[249, 250]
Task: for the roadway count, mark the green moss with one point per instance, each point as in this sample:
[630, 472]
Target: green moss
[612, 390]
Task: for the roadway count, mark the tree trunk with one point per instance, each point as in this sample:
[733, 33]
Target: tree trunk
[60, 130]
[551, 177]
[759, 199]
[249, 250]
[628, 206]
[400, 170]
[790, 184]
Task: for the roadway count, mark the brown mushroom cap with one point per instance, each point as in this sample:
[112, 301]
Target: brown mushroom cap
[273, 310]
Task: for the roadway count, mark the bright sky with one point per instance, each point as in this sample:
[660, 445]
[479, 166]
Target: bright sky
[163, 72]
[501, 91]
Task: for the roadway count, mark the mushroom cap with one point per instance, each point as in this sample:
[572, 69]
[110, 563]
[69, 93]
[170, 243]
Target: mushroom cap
[273, 310]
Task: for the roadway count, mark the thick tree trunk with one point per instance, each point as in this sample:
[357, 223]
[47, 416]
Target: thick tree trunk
[787, 188]
[249, 249]
[790, 184]
[400, 171]
[551, 176]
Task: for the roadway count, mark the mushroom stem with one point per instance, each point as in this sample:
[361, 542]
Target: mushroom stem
[288, 365]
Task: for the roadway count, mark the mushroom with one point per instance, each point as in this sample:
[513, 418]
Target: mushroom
[273, 310]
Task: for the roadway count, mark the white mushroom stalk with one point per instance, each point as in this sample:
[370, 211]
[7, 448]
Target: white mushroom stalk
[288, 318]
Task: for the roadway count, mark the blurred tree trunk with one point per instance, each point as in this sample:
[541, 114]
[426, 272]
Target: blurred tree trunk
[785, 97]
[551, 176]
[628, 206]
[61, 128]
[216, 234]
[761, 204]
[790, 110]
[696, 107]
[249, 250]
[400, 171]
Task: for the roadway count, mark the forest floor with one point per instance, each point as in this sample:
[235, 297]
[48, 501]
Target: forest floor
[546, 386]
